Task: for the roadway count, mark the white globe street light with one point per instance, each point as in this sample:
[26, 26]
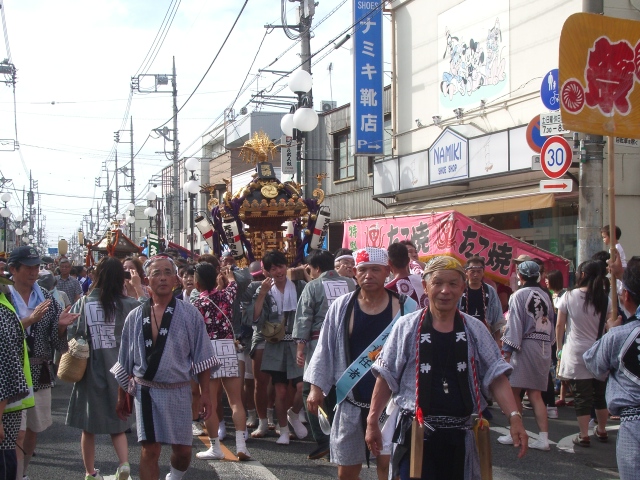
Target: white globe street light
[191, 187]
[192, 164]
[151, 196]
[300, 82]
[19, 231]
[305, 119]
[5, 197]
[286, 124]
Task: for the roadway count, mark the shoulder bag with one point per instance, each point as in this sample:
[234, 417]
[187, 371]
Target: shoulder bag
[73, 362]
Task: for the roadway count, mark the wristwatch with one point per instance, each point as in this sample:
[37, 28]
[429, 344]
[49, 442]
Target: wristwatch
[515, 413]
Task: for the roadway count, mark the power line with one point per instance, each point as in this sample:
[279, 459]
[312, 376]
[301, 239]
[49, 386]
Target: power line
[211, 65]
[146, 63]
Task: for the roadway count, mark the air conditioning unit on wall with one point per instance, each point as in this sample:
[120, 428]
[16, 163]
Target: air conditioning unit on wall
[328, 105]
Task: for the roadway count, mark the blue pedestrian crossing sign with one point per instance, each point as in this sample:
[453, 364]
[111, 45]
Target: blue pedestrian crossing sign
[549, 90]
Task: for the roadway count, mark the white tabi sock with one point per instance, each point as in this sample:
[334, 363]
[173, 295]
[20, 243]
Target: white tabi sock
[215, 442]
[240, 441]
[270, 415]
[544, 437]
[175, 474]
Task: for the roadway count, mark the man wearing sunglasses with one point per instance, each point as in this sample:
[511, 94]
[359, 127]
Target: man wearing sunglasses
[480, 300]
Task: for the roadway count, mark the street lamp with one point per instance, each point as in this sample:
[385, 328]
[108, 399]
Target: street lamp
[191, 188]
[151, 211]
[5, 213]
[302, 117]
[130, 217]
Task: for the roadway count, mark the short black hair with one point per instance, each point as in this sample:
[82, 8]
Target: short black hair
[631, 280]
[408, 243]
[398, 255]
[206, 275]
[601, 256]
[321, 259]
[607, 229]
[475, 259]
[273, 257]
[342, 251]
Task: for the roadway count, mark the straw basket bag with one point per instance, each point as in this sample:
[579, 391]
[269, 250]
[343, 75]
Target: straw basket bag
[73, 363]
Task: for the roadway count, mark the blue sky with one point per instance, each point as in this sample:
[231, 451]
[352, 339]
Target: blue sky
[82, 55]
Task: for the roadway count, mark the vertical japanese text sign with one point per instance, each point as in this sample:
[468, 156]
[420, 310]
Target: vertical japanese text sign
[368, 78]
[288, 152]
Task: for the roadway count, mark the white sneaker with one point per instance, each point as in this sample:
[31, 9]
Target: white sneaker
[222, 431]
[298, 428]
[539, 445]
[552, 412]
[97, 476]
[505, 440]
[196, 429]
[211, 454]
[123, 471]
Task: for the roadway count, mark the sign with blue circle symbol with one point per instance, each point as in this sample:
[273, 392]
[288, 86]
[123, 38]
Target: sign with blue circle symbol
[549, 90]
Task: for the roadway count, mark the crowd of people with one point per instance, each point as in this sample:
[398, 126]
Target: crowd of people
[373, 352]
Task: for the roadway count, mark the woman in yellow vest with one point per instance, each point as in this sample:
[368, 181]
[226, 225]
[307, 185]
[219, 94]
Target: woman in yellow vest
[16, 389]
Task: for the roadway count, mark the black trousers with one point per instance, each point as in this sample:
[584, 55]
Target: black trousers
[8, 464]
[443, 456]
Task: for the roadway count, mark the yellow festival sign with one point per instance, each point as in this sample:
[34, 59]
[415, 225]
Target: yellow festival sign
[599, 75]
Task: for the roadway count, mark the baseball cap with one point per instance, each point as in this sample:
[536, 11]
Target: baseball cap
[529, 268]
[47, 259]
[522, 258]
[25, 255]
[46, 279]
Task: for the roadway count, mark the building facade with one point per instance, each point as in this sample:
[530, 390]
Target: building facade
[467, 83]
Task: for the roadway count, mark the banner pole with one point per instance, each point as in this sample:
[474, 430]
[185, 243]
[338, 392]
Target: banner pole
[612, 221]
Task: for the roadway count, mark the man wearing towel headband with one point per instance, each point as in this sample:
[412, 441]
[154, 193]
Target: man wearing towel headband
[435, 364]
[355, 328]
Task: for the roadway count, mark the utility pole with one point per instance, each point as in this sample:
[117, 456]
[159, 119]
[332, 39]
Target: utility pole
[133, 178]
[177, 195]
[590, 192]
[30, 202]
[117, 187]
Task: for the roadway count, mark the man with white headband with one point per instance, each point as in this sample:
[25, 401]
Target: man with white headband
[344, 262]
[354, 330]
[435, 363]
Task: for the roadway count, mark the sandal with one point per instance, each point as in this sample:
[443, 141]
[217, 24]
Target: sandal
[582, 442]
[561, 403]
[603, 437]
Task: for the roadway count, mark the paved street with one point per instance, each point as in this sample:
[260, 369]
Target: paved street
[58, 455]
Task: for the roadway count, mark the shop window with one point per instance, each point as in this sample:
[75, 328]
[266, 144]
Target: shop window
[344, 161]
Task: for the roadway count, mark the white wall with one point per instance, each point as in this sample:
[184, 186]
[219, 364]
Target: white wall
[534, 35]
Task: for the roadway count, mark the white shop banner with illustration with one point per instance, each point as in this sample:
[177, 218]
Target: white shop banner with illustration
[473, 41]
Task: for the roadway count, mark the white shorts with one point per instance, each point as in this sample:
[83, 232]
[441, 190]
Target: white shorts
[38, 418]
[248, 365]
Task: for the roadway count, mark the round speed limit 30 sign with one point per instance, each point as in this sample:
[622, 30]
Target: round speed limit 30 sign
[555, 157]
